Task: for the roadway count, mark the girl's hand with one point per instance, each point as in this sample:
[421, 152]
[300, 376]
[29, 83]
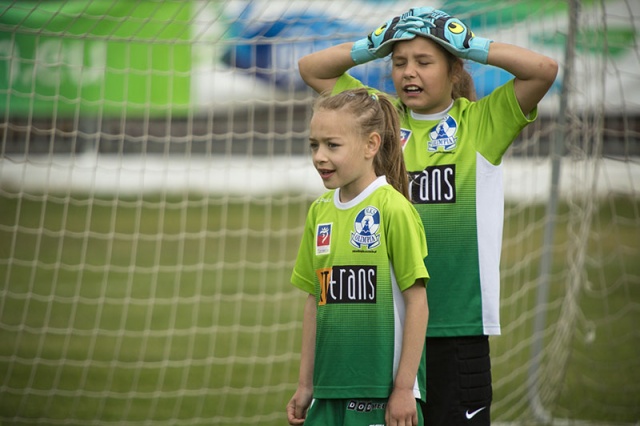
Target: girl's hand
[401, 409]
[452, 34]
[379, 42]
[298, 406]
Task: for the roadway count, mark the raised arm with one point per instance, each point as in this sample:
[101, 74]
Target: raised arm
[321, 69]
[534, 73]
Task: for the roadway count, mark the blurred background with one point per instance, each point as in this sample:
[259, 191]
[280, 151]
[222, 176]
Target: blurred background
[155, 177]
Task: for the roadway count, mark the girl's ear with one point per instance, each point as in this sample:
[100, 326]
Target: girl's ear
[373, 145]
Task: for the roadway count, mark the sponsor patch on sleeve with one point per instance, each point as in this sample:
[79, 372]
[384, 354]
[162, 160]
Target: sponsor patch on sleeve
[323, 238]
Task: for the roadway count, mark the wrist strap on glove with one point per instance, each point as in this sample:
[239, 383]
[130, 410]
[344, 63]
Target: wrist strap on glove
[360, 52]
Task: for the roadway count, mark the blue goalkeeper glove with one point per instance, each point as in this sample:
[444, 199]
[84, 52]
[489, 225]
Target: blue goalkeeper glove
[379, 43]
[452, 34]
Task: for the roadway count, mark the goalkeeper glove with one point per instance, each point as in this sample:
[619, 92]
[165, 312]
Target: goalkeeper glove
[379, 43]
[452, 34]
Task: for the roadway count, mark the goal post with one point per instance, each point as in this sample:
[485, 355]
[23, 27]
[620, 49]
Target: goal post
[155, 178]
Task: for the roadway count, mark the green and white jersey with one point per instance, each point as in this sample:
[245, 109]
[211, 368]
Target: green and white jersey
[357, 258]
[455, 176]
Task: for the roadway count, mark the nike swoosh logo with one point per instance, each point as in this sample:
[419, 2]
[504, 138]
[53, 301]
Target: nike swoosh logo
[470, 415]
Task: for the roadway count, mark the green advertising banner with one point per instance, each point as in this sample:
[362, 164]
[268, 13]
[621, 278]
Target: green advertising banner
[105, 57]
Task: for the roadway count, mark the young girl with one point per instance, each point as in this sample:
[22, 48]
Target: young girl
[361, 260]
[453, 149]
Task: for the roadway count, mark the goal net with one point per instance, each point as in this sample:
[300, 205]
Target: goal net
[155, 177]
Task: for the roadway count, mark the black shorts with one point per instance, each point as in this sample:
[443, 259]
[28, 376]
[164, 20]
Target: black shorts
[458, 381]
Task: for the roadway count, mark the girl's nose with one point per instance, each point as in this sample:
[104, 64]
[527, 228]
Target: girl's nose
[409, 71]
[318, 156]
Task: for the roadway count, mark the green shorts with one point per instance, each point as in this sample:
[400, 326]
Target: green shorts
[350, 412]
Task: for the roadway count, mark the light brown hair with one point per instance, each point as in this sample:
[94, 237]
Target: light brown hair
[463, 86]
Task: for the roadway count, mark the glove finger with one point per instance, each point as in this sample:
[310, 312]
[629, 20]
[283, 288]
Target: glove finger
[442, 42]
[404, 35]
[387, 46]
[439, 14]
[413, 22]
[421, 11]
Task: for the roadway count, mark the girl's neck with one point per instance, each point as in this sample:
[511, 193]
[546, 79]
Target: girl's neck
[434, 116]
[340, 202]
[354, 189]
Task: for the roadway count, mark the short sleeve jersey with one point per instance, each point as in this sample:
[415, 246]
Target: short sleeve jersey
[357, 258]
[454, 161]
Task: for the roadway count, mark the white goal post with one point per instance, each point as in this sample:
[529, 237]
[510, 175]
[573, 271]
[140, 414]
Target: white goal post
[155, 177]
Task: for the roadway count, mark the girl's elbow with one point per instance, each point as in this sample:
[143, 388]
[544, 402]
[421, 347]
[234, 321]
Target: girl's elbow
[550, 70]
[303, 68]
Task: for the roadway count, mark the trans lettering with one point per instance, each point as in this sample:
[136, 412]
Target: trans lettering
[347, 284]
[433, 185]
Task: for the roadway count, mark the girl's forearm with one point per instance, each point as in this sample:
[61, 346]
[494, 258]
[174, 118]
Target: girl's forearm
[523, 63]
[534, 73]
[321, 69]
[307, 354]
[415, 329]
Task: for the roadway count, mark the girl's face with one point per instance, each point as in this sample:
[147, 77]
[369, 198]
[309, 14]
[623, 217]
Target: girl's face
[420, 74]
[343, 158]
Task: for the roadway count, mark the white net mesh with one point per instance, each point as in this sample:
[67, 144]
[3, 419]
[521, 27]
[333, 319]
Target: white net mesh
[154, 182]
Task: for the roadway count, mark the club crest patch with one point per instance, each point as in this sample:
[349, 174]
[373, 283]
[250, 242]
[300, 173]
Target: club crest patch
[366, 226]
[323, 238]
[443, 135]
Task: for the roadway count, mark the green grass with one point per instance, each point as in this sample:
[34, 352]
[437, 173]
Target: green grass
[599, 380]
[179, 311]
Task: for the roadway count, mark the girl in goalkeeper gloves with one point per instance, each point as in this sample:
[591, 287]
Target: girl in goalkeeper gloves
[453, 147]
[361, 261]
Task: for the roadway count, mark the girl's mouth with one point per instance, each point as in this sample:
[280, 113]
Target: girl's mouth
[326, 174]
[412, 89]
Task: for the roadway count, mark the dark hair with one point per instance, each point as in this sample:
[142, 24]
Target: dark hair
[374, 112]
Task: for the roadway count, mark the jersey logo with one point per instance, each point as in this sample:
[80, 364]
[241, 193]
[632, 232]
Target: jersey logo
[405, 134]
[323, 238]
[347, 284]
[443, 136]
[366, 227]
[365, 406]
[433, 185]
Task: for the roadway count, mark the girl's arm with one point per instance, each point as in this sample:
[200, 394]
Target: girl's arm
[321, 69]
[301, 400]
[402, 403]
[534, 73]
